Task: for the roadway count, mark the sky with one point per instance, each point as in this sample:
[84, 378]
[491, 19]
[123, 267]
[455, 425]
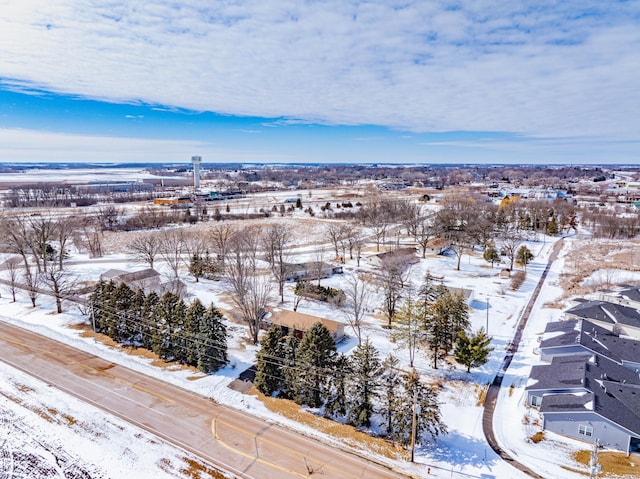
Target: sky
[277, 81]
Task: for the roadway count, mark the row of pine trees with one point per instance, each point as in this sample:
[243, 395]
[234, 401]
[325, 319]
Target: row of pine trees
[190, 334]
[359, 389]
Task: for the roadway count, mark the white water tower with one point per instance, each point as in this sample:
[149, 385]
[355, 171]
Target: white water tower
[196, 171]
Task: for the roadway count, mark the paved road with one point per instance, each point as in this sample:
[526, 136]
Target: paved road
[494, 388]
[223, 437]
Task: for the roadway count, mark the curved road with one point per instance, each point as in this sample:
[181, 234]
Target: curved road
[494, 388]
[222, 437]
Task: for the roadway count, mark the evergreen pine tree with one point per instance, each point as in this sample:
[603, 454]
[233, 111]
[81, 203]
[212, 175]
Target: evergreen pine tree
[98, 301]
[552, 227]
[336, 400]
[524, 256]
[192, 328]
[110, 311]
[289, 373]
[196, 266]
[430, 291]
[408, 330]
[269, 362]
[135, 317]
[212, 341]
[491, 253]
[315, 354]
[444, 318]
[429, 423]
[149, 320]
[389, 395]
[179, 339]
[473, 351]
[363, 389]
[122, 332]
[163, 332]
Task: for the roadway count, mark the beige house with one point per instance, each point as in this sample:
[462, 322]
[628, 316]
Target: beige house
[402, 256]
[300, 322]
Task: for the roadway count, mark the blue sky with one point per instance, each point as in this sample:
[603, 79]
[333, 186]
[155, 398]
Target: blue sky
[320, 81]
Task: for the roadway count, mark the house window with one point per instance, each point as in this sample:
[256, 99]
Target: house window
[585, 430]
[536, 401]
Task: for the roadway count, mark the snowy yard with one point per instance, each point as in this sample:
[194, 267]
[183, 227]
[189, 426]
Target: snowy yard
[45, 423]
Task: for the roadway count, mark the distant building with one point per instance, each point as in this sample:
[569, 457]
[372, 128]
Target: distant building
[196, 160]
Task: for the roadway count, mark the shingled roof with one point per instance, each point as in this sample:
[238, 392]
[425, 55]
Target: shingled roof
[593, 338]
[606, 312]
[595, 384]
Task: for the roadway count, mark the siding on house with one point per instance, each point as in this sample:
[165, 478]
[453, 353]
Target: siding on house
[605, 432]
[597, 391]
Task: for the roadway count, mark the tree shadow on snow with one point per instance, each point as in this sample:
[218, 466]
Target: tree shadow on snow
[462, 451]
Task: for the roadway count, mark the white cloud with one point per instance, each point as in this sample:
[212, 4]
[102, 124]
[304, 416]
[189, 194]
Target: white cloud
[535, 68]
[37, 146]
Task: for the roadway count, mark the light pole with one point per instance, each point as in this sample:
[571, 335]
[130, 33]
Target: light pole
[487, 328]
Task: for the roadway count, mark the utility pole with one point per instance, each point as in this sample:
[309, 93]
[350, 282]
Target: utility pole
[413, 424]
[93, 322]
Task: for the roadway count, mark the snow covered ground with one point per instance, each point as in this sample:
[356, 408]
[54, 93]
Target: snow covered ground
[463, 452]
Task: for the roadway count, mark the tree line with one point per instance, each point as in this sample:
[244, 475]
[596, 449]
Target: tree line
[189, 334]
[354, 389]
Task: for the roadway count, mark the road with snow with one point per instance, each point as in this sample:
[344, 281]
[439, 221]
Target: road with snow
[226, 438]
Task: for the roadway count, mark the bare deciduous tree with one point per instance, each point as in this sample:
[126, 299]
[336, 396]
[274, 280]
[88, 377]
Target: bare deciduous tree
[334, 232]
[32, 283]
[173, 247]
[15, 236]
[13, 266]
[221, 238]
[64, 231]
[391, 278]
[109, 217]
[276, 243]
[250, 292]
[358, 295]
[43, 230]
[61, 283]
[145, 248]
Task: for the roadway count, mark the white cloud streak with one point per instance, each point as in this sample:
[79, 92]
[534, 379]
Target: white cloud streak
[38, 146]
[537, 68]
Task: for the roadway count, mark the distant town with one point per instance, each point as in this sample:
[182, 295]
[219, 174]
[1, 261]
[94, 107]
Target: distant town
[413, 316]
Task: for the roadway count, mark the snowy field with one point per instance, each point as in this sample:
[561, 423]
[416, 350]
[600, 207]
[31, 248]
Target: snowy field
[463, 452]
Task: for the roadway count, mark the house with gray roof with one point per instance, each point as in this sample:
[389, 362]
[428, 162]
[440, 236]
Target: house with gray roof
[627, 296]
[145, 279]
[614, 317]
[589, 398]
[579, 337]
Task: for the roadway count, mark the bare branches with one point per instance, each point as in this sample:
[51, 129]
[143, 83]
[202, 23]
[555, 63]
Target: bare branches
[276, 242]
[145, 248]
[358, 295]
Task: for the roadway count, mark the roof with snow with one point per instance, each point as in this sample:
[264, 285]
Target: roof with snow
[606, 312]
[593, 338]
[600, 385]
[564, 372]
